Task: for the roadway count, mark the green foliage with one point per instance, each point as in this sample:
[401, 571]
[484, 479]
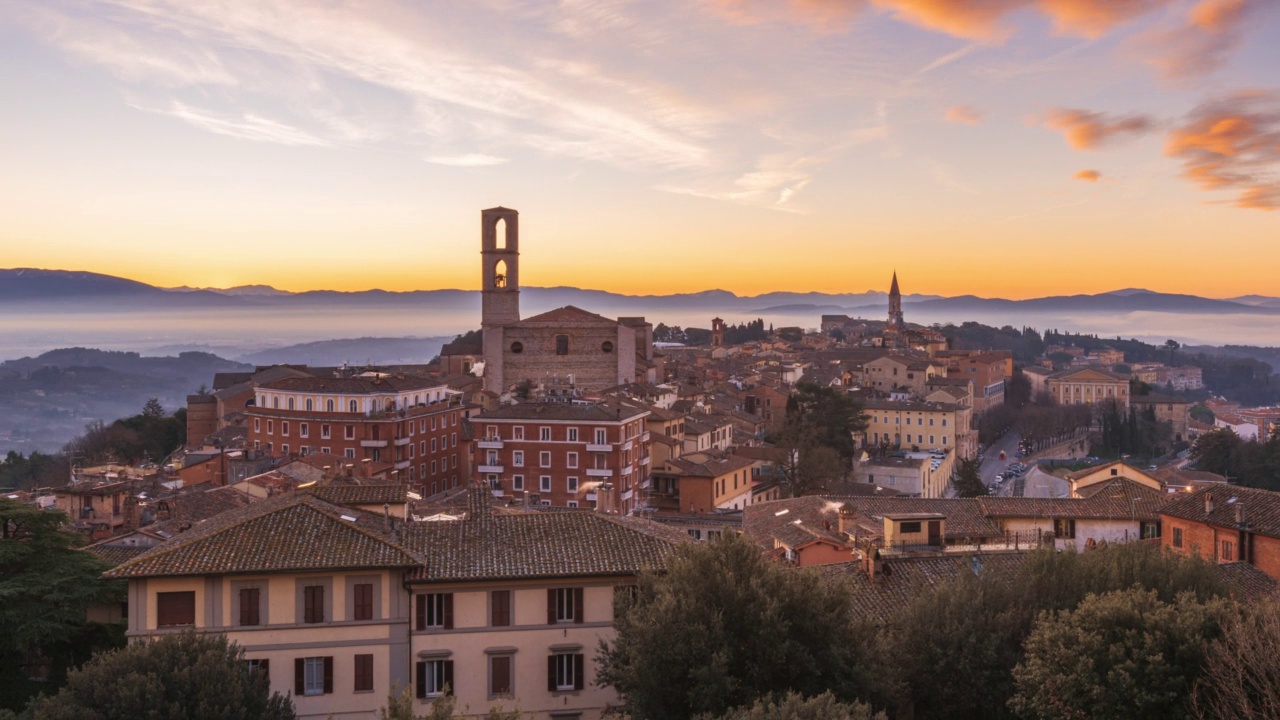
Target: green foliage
[1248, 462]
[968, 482]
[1025, 344]
[791, 334]
[1121, 655]
[149, 435]
[35, 470]
[1201, 413]
[1241, 677]
[723, 627]
[794, 706]
[185, 676]
[831, 413]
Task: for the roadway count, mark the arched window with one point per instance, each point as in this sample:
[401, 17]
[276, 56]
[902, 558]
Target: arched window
[309, 408]
[328, 405]
[607, 347]
[500, 234]
[353, 406]
[290, 402]
[275, 401]
[517, 347]
[562, 344]
[500, 274]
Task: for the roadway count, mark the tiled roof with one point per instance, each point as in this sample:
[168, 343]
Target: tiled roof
[886, 595]
[562, 544]
[596, 412]
[362, 494]
[1114, 498]
[1247, 583]
[567, 314]
[296, 533]
[1260, 508]
[115, 554]
[354, 385]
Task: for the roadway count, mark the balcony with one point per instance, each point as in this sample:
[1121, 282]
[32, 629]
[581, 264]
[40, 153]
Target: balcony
[373, 443]
[644, 436]
[490, 469]
[627, 495]
[598, 447]
[403, 464]
[402, 441]
[590, 497]
[497, 492]
[644, 460]
[490, 443]
[598, 472]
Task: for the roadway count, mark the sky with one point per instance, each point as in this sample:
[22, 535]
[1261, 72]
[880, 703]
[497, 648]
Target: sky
[1001, 148]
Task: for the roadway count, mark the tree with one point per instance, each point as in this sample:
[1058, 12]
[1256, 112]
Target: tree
[968, 482]
[1121, 655]
[724, 626]
[1215, 451]
[833, 414]
[152, 409]
[793, 706]
[1241, 676]
[46, 585]
[808, 465]
[187, 676]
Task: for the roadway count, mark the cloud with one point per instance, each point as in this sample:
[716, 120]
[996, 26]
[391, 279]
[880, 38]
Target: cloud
[1092, 176]
[1204, 40]
[1085, 130]
[1233, 143]
[820, 15]
[948, 58]
[963, 115]
[467, 160]
[246, 127]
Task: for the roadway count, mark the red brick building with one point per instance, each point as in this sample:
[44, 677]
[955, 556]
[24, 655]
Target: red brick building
[1226, 524]
[564, 455]
[418, 424]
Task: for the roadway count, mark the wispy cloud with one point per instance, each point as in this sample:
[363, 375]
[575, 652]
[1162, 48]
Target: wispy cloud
[467, 160]
[1233, 143]
[963, 115]
[1092, 176]
[245, 127]
[949, 58]
[1204, 39]
[1086, 130]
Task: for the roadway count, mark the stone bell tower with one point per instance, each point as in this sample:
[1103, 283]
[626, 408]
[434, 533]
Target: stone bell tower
[499, 287]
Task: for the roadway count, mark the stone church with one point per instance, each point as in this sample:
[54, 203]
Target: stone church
[566, 348]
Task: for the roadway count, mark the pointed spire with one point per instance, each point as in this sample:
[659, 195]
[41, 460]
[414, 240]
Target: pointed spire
[893, 289]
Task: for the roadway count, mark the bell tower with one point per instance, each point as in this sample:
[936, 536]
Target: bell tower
[500, 267]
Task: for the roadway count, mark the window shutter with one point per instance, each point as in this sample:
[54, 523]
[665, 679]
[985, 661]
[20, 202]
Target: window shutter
[551, 606]
[328, 674]
[577, 671]
[448, 677]
[577, 605]
[421, 613]
[448, 611]
[421, 672]
[551, 673]
[299, 677]
[265, 666]
[500, 674]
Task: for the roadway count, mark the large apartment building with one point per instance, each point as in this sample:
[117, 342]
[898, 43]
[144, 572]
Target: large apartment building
[564, 454]
[920, 426]
[338, 606]
[1088, 386]
[416, 424]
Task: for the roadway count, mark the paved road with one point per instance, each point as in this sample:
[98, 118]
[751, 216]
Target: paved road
[993, 465]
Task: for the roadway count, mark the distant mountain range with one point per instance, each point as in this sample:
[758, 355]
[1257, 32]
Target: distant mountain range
[54, 290]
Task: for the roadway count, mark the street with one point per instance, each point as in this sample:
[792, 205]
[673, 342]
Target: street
[993, 465]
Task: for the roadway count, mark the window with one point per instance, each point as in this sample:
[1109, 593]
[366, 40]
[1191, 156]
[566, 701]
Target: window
[435, 610]
[349, 432]
[1228, 551]
[500, 608]
[562, 344]
[572, 434]
[564, 605]
[304, 430]
[284, 427]
[544, 459]
[517, 458]
[262, 665]
[910, 527]
[364, 673]
[571, 460]
[250, 606]
[271, 425]
[290, 402]
[313, 604]
[517, 482]
[564, 672]
[517, 347]
[326, 431]
[349, 452]
[328, 405]
[602, 436]
[571, 484]
[257, 425]
[500, 676]
[517, 432]
[544, 434]
[435, 677]
[353, 406]
[313, 675]
[544, 483]
[1064, 528]
[309, 405]
[175, 608]
[362, 601]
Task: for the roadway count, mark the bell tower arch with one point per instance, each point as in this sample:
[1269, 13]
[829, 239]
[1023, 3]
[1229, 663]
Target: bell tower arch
[500, 267]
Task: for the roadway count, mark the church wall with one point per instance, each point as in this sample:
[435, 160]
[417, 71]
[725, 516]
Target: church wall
[591, 367]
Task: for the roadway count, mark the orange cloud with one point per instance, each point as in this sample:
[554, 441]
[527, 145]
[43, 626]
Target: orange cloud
[1087, 130]
[1093, 18]
[1203, 43]
[1092, 176]
[1233, 144]
[821, 15]
[963, 115]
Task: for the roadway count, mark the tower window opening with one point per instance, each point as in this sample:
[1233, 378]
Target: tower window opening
[500, 234]
[517, 347]
[562, 344]
[607, 347]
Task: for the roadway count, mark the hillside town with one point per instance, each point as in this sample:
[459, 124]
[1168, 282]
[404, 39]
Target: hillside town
[462, 527]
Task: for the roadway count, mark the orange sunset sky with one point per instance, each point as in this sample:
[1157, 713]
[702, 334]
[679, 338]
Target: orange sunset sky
[1013, 148]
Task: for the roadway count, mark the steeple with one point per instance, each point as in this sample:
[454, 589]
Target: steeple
[895, 304]
[893, 289]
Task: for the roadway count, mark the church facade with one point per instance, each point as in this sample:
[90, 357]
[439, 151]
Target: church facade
[568, 347]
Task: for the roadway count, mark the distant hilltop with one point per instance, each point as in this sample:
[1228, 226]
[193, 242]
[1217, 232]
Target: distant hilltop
[81, 291]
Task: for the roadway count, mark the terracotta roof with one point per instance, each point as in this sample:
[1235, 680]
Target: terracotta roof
[115, 554]
[1260, 508]
[1247, 583]
[1114, 498]
[353, 385]
[567, 314]
[595, 412]
[296, 533]
[350, 494]
[560, 544]
[886, 595]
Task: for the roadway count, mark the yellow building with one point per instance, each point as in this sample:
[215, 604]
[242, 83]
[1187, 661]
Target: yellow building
[920, 425]
[1088, 386]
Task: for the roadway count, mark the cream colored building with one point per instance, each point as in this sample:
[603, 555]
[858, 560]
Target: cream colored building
[901, 372]
[340, 606]
[1088, 386]
[919, 425]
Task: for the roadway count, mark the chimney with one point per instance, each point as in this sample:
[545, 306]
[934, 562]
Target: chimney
[386, 515]
[1208, 503]
[848, 515]
[1240, 514]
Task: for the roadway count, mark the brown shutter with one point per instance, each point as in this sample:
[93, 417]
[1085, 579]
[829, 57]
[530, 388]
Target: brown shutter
[501, 601]
[577, 605]
[551, 673]
[421, 612]
[264, 665]
[299, 677]
[448, 677]
[328, 674]
[500, 674]
[448, 611]
[551, 606]
[421, 673]
[578, 667]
